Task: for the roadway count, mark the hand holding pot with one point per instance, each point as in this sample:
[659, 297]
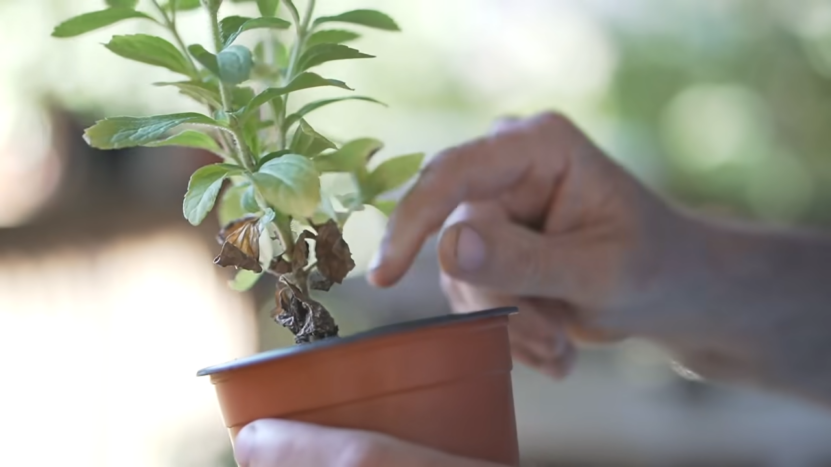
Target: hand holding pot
[279, 443]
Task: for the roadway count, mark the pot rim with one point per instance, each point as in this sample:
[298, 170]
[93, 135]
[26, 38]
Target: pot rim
[395, 328]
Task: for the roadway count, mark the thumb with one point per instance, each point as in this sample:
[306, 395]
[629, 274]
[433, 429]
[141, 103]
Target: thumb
[503, 256]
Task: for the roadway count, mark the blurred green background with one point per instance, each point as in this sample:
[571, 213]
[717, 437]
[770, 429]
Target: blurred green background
[109, 302]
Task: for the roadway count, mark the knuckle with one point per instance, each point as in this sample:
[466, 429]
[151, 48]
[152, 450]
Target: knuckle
[553, 122]
[551, 119]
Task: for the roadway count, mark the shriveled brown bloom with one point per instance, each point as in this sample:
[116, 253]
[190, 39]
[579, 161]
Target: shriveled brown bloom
[240, 240]
[307, 319]
[334, 260]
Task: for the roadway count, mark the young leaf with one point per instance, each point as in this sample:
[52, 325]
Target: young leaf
[331, 36]
[350, 157]
[205, 58]
[290, 184]
[212, 5]
[230, 205]
[272, 156]
[323, 53]
[232, 26]
[308, 108]
[302, 81]
[197, 90]
[95, 20]
[151, 50]
[370, 18]
[249, 200]
[385, 206]
[308, 142]
[182, 5]
[125, 132]
[203, 188]
[189, 139]
[234, 64]
[122, 3]
[268, 7]
[244, 280]
[391, 174]
[241, 95]
[292, 11]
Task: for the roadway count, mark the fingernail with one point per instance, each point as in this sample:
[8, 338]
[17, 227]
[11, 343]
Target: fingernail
[470, 250]
[376, 261]
[244, 445]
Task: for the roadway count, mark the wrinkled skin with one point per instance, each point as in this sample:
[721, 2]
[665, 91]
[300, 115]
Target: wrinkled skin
[570, 238]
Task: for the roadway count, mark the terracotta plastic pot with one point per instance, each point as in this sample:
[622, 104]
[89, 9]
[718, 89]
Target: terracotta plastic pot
[442, 382]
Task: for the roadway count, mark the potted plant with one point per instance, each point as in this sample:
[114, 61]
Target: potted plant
[442, 382]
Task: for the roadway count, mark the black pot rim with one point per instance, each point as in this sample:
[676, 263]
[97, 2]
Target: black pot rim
[395, 328]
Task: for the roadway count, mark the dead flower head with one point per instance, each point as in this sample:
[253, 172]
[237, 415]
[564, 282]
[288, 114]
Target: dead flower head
[240, 241]
[334, 260]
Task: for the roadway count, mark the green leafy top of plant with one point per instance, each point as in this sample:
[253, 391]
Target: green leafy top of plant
[269, 180]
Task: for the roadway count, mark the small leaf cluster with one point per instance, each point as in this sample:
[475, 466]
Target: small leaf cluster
[267, 189]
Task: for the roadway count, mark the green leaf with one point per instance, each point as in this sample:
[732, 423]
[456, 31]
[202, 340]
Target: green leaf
[241, 95]
[197, 90]
[125, 132]
[331, 36]
[205, 58]
[230, 205]
[203, 188]
[268, 7]
[249, 200]
[308, 108]
[292, 9]
[212, 5]
[95, 20]
[385, 206]
[350, 157]
[189, 139]
[232, 26]
[302, 81]
[391, 174]
[322, 53]
[370, 18]
[122, 3]
[151, 50]
[182, 5]
[245, 280]
[308, 142]
[290, 184]
[272, 156]
[235, 64]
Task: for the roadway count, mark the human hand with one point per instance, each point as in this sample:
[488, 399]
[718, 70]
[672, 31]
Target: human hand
[280, 443]
[535, 216]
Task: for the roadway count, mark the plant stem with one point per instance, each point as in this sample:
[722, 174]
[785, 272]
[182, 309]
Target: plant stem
[171, 25]
[283, 224]
[244, 154]
[294, 58]
[170, 22]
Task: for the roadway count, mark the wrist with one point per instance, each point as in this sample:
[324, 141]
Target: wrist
[701, 266]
